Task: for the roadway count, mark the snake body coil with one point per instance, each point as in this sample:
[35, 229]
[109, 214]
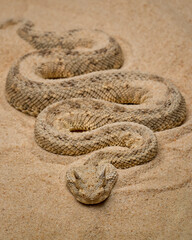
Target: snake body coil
[111, 113]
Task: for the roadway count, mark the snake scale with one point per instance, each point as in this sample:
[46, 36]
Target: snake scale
[83, 105]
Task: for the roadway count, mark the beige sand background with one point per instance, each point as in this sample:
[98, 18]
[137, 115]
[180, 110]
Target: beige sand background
[152, 201]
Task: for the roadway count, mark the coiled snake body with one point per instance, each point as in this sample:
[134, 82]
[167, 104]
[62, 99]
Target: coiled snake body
[110, 113]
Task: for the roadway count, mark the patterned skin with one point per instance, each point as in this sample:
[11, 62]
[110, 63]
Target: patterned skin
[110, 114]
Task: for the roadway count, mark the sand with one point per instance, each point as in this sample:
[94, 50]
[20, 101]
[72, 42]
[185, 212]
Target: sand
[152, 201]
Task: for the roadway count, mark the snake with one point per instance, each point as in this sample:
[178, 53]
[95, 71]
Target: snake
[86, 104]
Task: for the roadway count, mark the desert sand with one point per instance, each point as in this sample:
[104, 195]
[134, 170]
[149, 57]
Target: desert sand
[151, 201]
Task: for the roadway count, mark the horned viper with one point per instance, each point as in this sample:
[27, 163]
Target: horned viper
[111, 113]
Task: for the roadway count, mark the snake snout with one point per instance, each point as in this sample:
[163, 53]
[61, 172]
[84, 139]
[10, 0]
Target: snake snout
[92, 197]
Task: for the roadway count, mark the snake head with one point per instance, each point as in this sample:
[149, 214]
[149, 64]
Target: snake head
[91, 184]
